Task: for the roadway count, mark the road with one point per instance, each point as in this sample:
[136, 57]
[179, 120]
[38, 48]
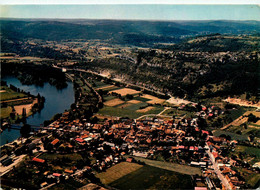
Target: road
[95, 73]
[221, 177]
[90, 87]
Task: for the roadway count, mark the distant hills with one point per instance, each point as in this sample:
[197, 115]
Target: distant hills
[120, 31]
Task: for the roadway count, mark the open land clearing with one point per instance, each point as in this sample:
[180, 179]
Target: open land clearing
[124, 105]
[8, 94]
[134, 101]
[242, 102]
[105, 87]
[113, 102]
[149, 177]
[145, 109]
[153, 99]
[184, 169]
[178, 101]
[125, 91]
[117, 171]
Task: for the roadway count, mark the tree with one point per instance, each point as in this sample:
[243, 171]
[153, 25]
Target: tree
[24, 113]
[25, 130]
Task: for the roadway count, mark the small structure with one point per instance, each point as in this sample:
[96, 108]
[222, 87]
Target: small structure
[38, 160]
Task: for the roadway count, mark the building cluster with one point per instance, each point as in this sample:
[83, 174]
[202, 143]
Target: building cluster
[183, 141]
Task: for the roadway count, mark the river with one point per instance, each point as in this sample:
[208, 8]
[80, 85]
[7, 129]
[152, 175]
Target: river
[56, 101]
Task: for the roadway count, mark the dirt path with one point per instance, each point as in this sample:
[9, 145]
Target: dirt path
[242, 102]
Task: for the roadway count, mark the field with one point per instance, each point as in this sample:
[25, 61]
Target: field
[249, 150]
[234, 136]
[73, 157]
[129, 107]
[113, 111]
[178, 101]
[177, 113]
[113, 102]
[5, 112]
[8, 94]
[125, 91]
[149, 177]
[114, 173]
[149, 108]
[171, 166]
[251, 178]
[134, 101]
[153, 99]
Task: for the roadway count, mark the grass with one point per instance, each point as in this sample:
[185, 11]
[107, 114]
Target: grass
[248, 150]
[73, 156]
[69, 184]
[234, 136]
[5, 112]
[251, 178]
[98, 84]
[155, 110]
[113, 88]
[183, 169]
[141, 99]
[107, 98]
[149, 177]
[243, 131]
[135, 107]
[236, 113]
[113, 111]
[114, 173]
[10, 94]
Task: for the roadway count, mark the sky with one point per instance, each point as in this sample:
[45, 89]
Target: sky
[133, 12]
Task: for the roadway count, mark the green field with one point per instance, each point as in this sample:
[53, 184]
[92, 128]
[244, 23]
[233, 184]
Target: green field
[113, 111]
[5, 112]
[236, 113]
[251, 178]
[8, 94]
[107, 98]
[69, 184]
[248, 150]
[116, 172]
[149, 177]
[73, 156]
[141, 99]
[98, 84]
[135, 107]
[241, 130]
[171, 166]
[112, 88]
[234, 136]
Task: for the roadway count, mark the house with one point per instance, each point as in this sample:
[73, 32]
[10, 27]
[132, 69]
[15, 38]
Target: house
[68, 171]
[129, 160]
[38, 160]
[200, 188]
[44, 184]
[55, 141]
[56, 174]
[79, 140]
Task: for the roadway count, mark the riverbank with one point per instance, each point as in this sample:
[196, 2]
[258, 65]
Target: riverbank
[56, 101]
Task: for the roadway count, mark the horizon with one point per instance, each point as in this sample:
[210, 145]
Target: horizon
[104, 19]
[151, 12]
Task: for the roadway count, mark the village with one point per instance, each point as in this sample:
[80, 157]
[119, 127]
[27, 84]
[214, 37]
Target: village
[78, 150]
